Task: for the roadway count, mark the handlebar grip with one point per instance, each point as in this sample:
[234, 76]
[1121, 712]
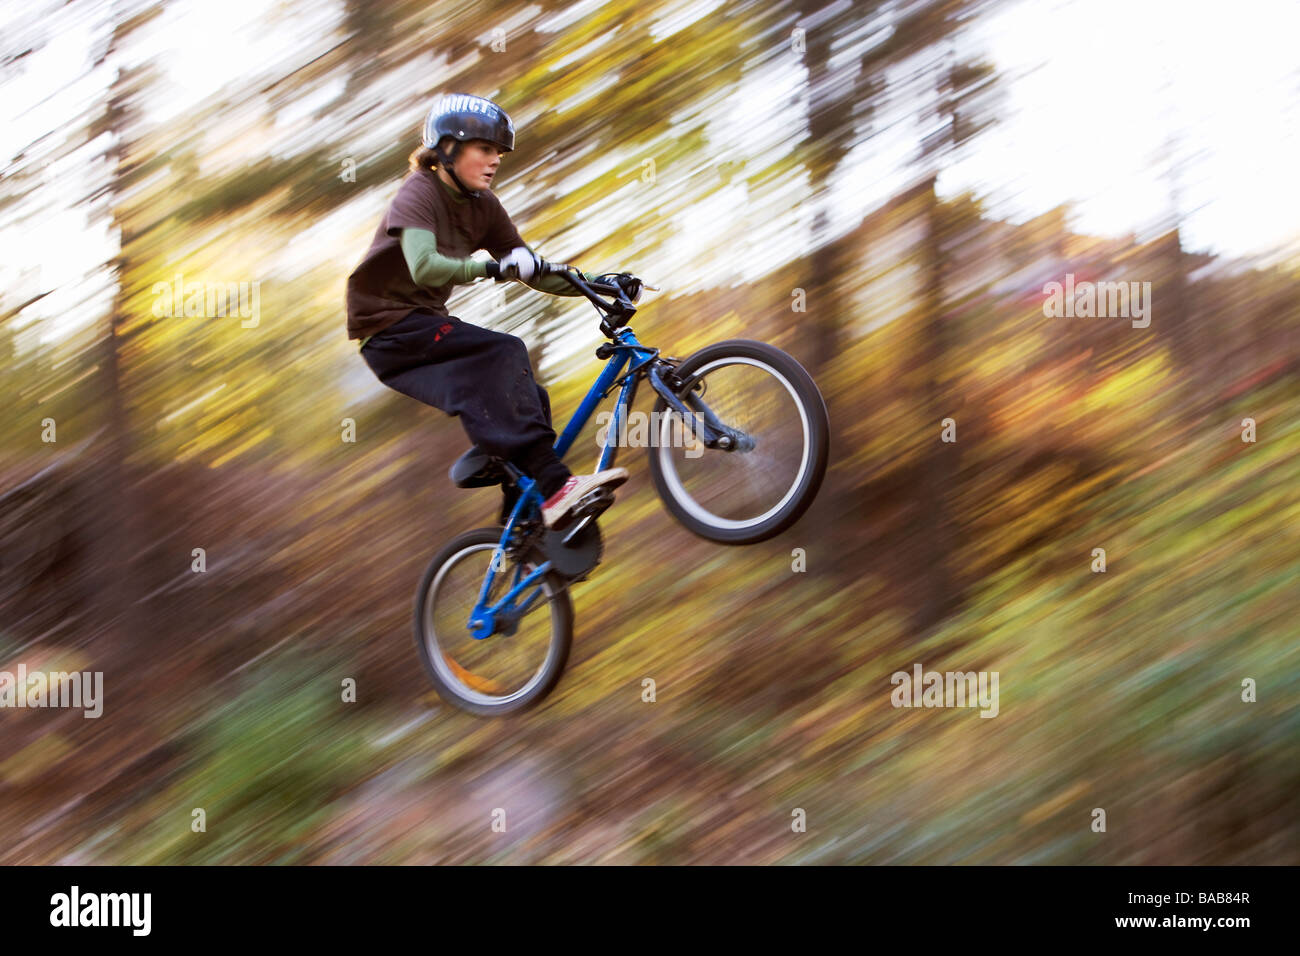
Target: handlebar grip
[577, 275]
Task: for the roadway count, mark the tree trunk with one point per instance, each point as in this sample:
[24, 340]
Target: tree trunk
[116, 541]
[940, 461]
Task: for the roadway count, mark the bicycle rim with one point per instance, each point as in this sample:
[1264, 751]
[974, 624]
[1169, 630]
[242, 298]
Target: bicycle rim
[741, 489]
[501, 668]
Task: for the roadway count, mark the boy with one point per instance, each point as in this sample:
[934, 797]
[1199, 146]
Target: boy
[396, 299]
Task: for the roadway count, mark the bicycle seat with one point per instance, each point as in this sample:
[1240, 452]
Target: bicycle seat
[476, 469]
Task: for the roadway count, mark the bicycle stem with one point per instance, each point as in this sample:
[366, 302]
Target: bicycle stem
[622, 307]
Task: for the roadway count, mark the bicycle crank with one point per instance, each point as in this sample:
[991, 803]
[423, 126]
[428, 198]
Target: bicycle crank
[574, 551]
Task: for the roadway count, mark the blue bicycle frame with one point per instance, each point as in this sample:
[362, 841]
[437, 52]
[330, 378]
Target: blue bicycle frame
[627, 349]
[624, 348]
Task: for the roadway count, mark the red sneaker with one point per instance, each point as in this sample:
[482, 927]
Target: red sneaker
[556, 509]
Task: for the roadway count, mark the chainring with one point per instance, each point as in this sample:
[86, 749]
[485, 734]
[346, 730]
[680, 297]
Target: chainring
[579, 556]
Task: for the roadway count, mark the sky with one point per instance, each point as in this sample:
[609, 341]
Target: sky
[1100, 88]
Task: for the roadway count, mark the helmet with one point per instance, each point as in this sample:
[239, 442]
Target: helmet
[464, 117]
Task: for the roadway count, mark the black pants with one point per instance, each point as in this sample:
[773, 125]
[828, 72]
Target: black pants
[483, 377]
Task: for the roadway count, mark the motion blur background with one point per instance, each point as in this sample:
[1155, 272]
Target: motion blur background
[914, 173]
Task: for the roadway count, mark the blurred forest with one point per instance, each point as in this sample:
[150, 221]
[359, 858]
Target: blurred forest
[637, 123]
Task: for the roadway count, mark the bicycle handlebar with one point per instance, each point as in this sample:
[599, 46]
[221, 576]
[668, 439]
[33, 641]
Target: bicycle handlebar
[621, 306]
[555, 268]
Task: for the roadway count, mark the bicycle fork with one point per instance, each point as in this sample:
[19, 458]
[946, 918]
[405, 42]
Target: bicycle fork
[706, 425]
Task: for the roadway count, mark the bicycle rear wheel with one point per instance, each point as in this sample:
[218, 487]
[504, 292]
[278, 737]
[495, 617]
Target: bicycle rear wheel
[782, 441]
[512, 668]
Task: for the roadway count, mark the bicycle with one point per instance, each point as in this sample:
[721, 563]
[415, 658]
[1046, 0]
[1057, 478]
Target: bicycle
[710, 459]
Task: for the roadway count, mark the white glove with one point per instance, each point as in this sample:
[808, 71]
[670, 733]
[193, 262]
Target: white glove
[519, 263]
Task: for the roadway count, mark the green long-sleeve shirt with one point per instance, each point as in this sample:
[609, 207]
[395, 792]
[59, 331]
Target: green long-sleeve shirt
[431, 268]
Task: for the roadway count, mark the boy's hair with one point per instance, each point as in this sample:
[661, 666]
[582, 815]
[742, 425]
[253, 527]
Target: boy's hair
[423, 157]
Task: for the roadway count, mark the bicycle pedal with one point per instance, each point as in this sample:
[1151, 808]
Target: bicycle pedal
[593, 504]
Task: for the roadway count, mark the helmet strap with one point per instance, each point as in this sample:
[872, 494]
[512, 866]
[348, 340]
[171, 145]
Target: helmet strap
[448, 163]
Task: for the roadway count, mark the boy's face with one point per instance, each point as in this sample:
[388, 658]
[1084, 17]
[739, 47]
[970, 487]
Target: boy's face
[477, 163]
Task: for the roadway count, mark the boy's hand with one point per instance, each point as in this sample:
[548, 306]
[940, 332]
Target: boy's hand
[519, 263]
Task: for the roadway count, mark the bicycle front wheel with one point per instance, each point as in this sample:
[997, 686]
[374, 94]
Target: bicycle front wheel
[521, 661]
[780, 433]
